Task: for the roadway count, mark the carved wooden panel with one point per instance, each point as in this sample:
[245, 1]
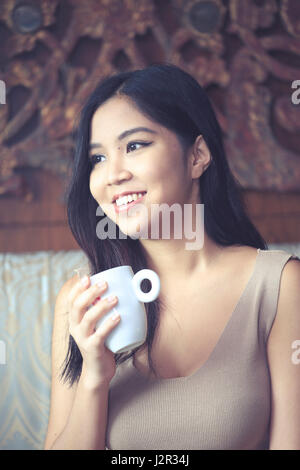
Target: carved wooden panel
[244, 52]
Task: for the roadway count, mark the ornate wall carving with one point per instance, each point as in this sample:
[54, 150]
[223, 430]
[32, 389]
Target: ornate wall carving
[244, 52]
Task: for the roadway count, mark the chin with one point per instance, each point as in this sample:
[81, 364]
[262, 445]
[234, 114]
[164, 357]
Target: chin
[134, 229]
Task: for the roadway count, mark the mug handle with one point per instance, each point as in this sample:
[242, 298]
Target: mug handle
[155, 285]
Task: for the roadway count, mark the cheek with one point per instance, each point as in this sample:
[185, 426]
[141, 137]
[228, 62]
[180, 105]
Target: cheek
[96, 190]
[92, 190]
[94, 185]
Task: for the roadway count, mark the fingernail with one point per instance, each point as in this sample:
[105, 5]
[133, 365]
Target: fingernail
[111, 298]
[84, 281]
[115, 316]
[101, 284]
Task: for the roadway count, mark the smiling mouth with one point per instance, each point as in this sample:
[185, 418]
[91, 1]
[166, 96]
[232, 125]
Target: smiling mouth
[125, 206]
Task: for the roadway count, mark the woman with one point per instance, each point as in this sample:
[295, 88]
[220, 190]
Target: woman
[212, 374]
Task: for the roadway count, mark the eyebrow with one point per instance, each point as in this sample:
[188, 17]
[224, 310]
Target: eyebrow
[125, 134]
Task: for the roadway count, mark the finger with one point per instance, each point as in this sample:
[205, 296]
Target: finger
[80, 286]
[105, 329]
[84, 300]
[94, 314]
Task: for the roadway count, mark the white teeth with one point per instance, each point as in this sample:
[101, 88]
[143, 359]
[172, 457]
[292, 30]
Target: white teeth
[128, 198]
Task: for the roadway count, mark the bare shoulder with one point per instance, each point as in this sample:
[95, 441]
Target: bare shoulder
[62, 396]
[291, 271]
[66, 287]
[241, 257]
[61, 304]
[284, 361]
[239, 251]
[289, 294]
[244, 251]
[60, 335]
[285, 328]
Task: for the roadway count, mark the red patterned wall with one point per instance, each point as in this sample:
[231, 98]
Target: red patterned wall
[53, 52]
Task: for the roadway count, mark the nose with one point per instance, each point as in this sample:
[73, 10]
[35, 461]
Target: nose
[116, 172]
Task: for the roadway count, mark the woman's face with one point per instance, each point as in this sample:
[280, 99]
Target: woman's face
[126, 159]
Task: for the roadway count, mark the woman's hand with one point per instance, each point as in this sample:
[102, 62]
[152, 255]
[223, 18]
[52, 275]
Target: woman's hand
[98, 361]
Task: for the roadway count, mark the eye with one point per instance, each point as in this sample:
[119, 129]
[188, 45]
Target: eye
[95, 158]
[132, 145]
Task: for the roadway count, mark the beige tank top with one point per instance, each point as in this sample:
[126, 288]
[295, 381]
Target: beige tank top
[225, 404]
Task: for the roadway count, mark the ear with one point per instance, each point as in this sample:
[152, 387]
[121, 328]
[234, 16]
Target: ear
[200, 157]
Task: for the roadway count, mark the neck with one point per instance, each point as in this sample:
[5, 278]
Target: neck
[187, 252]
[172, 261]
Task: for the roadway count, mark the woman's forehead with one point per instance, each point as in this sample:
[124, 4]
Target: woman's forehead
[117, 107]
[117, 115]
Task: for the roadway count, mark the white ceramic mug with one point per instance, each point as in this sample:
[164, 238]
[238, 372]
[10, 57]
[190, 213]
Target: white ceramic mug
[131, 331]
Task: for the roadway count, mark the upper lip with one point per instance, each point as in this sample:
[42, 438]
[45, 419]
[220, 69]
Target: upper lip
[116, 196]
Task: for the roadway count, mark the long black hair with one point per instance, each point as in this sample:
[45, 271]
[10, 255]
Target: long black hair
[175, 100]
